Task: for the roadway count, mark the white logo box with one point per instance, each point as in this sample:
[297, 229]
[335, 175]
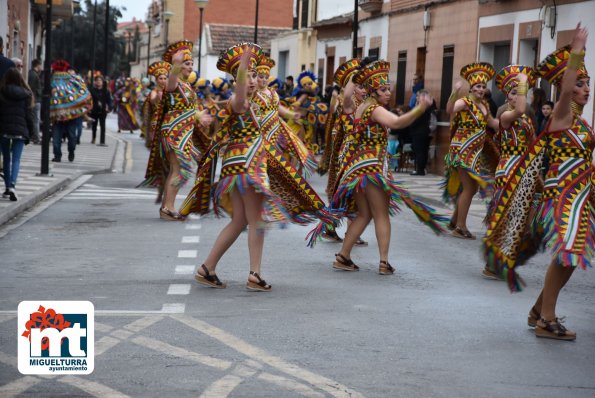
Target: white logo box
[78, 359]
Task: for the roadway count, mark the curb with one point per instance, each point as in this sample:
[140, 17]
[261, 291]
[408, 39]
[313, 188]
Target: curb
[33, 199]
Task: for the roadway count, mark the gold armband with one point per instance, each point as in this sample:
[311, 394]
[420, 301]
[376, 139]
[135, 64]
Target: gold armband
[241, 78]
[576, 59]
[522, 89]
[176, 69]
[417, 111]
[453, 96]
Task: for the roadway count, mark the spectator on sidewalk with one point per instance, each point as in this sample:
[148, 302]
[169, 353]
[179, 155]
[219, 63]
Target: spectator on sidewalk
[418, 84]
[34, 80]
[421, 137]
[546, 111]
[102, 104]
[5, 63]
[70, 101]
[16, 125]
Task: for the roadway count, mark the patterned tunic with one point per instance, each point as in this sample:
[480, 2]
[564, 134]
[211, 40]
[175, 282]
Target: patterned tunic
[565, 218]
[70, 97]
[469, 135]
[249, 160]
[157, 165]
[177, 128]
[506, 237]
[369, 164]
[278, 133]
[127, 108]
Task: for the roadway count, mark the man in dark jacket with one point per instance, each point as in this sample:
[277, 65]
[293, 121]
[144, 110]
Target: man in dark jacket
[34, 80]
[102, 104]
[420, 135]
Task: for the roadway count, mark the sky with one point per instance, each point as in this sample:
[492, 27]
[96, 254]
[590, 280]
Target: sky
[134, 8]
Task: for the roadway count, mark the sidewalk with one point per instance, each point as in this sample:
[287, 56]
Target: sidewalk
[32, 188]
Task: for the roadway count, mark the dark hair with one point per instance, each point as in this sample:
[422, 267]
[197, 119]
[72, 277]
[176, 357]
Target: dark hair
[35, 62]
[289, 78]
[550, 103]
[14, 77]
[539, 98]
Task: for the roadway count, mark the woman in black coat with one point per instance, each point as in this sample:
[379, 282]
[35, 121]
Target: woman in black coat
[16, 125]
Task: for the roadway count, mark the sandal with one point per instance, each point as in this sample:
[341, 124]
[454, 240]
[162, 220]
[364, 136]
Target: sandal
[385, 268]
[344, 264]
[167, 214]
[361, 242]
[459, 232]
[332, 236]
[451, 226]
[553, 330]
[208, 279]
[533, 317]
[260, 286]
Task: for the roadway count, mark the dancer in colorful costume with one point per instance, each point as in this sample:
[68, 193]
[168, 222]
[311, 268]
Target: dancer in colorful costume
[313, 112]
[365, 189]
[339, 128]
[274, 129]
[516, 133]
[179, 122]
[69, 103]
[126, 102]
[157, 166]
[565, 220]
[256, 185]
[470, 117]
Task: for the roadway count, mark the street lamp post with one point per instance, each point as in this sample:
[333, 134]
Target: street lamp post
[47, 91]
[201, 6]
[256, 24]
[355, 28]
[149, 25]
[106, 71]
[93, 41]
[167, 16]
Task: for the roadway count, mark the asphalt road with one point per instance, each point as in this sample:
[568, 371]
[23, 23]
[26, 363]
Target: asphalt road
[434, 329]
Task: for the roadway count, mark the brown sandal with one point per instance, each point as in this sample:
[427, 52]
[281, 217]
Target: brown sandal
[533, 317]
[344, 264]
[553, 330]
[208, 279]
[167, 214]
[459, 232]
[385, 268]
[360, 242]
[260, 286]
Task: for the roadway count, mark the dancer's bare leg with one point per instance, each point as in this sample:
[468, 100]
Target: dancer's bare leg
[378, 203]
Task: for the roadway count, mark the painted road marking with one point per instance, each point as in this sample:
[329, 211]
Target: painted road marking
[193, 226]
[17, 387]
[179, 289]
[185, 269]
[91, 387]
[187, 253]
[173, 308]
[190, 239]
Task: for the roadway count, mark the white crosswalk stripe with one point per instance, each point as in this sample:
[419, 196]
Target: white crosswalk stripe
[89, 191]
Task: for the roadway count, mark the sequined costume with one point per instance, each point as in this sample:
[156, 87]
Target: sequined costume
[70, 97]
[368, 164]
[467, 142]
[248, 159]
[278, 133]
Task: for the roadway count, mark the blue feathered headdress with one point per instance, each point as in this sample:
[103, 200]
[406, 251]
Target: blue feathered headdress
[305, 77]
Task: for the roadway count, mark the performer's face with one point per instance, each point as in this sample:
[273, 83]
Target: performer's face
[580, 92]
[251, 82]
[478, 90]
[263, 80]
[383, 94]
[187, 68]
[360, 92]
[162, 81]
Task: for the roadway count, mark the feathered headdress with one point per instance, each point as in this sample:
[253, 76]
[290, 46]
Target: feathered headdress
[553, 66]
[182, 45]
[477, 72]
[229, 60]
[274, 82]
[506, 79]
[304, 78]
